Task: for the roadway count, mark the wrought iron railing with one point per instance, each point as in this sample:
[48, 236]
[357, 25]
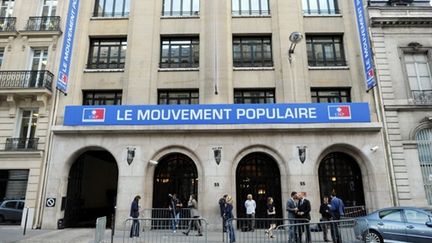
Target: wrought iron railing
[178, 65]
[180, 13]
[7, 24]
[21, 143]
[422, 97]
[110, 14]
[322, 11]
[26, 79]
[43, 23]
[249, 12]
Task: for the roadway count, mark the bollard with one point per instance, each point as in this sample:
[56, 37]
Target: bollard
[25, 221]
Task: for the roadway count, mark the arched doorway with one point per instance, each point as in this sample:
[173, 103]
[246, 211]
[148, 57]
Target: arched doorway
[258, 174]
[175, 173]
[92, 189]
[340, 172]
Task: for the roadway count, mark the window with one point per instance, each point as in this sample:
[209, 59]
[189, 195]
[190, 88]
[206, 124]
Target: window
[49, 8]
[26, 133]
[330, 95]
[320, 7]
[107, 53]
[180, 7]
[181, 52]
[254, 96]
[416, 217]
[252, 52]
[102, 97]
[111, 8]
[250, 7]
[178, 97]
[11, 204]
[1, 56]
[6, 8]
[419, 77]
[424, 146]
[392, 215]
[325, 51]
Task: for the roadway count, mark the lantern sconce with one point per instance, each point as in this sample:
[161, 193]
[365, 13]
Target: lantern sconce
[302, 153]
[130, 155]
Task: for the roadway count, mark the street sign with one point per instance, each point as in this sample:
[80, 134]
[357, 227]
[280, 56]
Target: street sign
[50, 202]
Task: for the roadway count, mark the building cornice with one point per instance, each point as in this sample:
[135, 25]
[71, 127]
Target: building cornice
[401, 21]
[336, 127]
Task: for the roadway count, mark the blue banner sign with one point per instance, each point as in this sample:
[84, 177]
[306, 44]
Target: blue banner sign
[217, 114]
[68, 40]
[365, 45]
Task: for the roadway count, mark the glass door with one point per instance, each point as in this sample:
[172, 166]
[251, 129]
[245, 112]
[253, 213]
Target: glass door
[38, 65]
[27, 129]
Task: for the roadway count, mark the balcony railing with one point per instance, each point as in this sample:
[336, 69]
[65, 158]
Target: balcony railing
[250, 12]
[7, 24]
[21, 143]
[26, 79]
[43, 23]
[422, 97]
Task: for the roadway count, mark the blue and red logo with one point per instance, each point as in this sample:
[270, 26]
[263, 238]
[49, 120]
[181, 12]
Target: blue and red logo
[336, 112]
[93, 115]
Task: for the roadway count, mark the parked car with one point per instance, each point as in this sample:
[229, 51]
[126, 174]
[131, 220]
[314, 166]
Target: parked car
[11, 210]
[402, 224]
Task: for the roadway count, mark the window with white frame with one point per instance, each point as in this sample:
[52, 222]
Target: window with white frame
[49, 7]
[320, 7]
[424, 144]
[1, 56]
[250, 7]
[419, 76]
[180, 7]
[6, 8]
[27, 130]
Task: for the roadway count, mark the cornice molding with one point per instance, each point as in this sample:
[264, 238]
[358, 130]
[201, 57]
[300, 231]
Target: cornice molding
[401, 21]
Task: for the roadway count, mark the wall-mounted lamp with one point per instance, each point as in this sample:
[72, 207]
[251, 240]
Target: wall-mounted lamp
[302, 153]
[130, 155]
[295, 38]
[153, 162]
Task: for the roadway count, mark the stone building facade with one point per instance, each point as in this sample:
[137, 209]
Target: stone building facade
[225, 52]
[402, 42]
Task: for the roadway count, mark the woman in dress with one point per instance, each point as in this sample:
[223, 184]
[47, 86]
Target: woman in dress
[271, 213]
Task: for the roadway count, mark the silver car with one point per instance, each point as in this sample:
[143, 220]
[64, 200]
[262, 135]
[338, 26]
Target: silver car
[11, 210]
[395, 224]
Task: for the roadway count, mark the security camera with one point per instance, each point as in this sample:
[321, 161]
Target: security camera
[153, 162]
[374, 149]
[295, 37]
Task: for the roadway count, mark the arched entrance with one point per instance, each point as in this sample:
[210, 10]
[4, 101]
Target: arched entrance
[92, 189]
[258, 174]
[340, 172]
[175, 173]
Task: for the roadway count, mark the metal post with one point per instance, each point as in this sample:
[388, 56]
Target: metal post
[25, 221]
[113, 225]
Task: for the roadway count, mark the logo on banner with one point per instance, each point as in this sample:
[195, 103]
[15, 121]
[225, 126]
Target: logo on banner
[336, 112]
[93, 115]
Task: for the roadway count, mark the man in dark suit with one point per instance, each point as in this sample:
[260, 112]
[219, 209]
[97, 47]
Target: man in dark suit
[303, 213]
[291, 207]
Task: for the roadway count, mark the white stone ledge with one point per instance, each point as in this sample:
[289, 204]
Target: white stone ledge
[336, 127]
[178, 69]
[253, 68]
[110, 18]
[21, 154]
[108, 70]
[329, 68]
[180, 17]
[322, 15]
[250, 16]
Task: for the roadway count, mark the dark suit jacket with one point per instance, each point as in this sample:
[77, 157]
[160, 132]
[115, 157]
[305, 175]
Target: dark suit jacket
[305, 207]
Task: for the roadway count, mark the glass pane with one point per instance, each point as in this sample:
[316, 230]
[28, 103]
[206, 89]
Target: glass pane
[313, 6]
[391, 215]
[413, 83]
[176, 6]
[255, 5]
[264, 5]
[99, 7]
[118, 8]
[114, 54]
[103, 55]
[195, 6]
[167, 7]
[235, 5]
[323, 6]
[109, 7]
[127, 8]
[186, 6]
[244, 5]
[415, 217]
[426, 83]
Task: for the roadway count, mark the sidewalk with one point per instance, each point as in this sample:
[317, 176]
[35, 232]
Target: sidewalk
[9, 234]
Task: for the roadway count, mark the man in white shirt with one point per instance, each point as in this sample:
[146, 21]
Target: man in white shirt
[250, 206]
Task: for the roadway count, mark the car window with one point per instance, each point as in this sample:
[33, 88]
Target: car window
[10, 205]
[392, 215]
[416, 217]
[20, 205]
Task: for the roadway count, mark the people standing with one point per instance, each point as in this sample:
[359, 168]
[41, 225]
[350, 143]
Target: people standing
[325, 211]
[175, 206]
[222, 204]
[337, 211]
[134, 213]
[228, 215]
[271, 214]
[291, 207]
[303, 213]
[193, 205]
[250, 206]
